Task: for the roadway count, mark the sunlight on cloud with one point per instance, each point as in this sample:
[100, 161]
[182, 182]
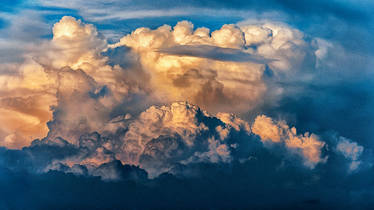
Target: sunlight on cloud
[74, 84]
[184, 66]
[67, 68]
[308, 146]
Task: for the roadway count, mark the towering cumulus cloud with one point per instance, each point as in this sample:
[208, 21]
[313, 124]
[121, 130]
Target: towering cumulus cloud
[76, 103]
[72, 77]
[221, 70]
[163, 104]
[67, 76]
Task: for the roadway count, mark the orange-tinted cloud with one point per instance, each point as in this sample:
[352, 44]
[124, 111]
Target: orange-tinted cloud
[308, 146]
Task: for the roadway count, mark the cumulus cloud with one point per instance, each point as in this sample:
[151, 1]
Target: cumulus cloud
[162, 139]
[350, 150]
[186, 63]
[159, 139]
[108, 111]
[172, 139]
[57, 77]
[308, 146]
[74, 93]
[71, 81]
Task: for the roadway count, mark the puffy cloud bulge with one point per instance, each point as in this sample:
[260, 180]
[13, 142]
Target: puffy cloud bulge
[157, 140]
[63, 70]
[165, 138]
[212, 82]
[308, 145]
[59, 75]
[67, 92]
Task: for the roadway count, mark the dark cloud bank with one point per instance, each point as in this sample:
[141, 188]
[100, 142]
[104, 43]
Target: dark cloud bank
[252, 185]
[255, 184]
[256, 178]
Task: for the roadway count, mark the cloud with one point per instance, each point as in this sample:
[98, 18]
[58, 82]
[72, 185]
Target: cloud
[60, 74]
[81, 112]
[91, 192]
[77, 77]
[91, 105]
[159, 139]
[73, 71]
[351, 151]
[171, 139]
[308, 146]
[162, 137]
[215, 53]
[178, 145]
[138, 9]
[182, 65]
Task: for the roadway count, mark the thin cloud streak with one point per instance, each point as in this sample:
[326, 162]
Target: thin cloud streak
[214, 53]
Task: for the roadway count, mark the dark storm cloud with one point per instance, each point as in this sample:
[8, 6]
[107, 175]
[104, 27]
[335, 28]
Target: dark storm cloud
[256, 183]
[257, 178]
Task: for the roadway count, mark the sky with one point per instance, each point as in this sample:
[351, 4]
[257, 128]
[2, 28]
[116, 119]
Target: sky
[186, 104]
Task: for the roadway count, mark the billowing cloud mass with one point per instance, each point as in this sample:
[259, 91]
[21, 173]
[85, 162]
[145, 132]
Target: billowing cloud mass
[58, 77]
[158, 140]
[70, 77]
[166, 104]
[71, 69]
[202, 66]
[163, 138]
